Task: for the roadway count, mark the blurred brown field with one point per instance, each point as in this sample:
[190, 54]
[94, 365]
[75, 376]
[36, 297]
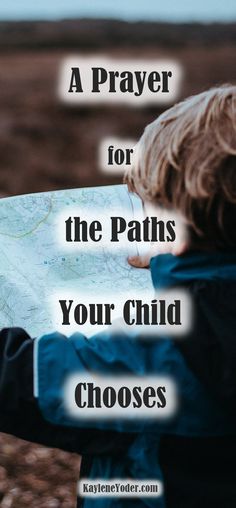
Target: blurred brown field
[45, 145]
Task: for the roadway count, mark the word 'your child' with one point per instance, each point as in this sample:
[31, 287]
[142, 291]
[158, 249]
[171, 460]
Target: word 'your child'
[135, 312]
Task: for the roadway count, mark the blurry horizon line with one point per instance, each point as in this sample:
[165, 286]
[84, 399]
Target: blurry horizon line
[160, 20]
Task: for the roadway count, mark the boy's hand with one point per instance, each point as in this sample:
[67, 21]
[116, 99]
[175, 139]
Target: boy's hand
[143, 260]
[140, 261]
[178, 247]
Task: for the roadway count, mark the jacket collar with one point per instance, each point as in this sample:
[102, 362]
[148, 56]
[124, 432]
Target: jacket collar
[168, 270]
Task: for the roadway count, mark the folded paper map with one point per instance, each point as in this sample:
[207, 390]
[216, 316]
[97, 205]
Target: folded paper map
[36, 268]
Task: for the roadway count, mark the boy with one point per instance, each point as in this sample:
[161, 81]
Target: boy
[186, 163]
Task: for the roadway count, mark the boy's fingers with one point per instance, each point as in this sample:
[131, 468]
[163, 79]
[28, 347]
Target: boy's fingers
[139, 261]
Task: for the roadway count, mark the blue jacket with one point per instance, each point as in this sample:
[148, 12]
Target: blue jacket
[199, 413]
[202, 366]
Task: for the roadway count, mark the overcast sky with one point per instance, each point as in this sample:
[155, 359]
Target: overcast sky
[172, 10]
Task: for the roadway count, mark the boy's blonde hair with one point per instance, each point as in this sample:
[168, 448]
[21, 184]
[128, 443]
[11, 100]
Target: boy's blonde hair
[186, 161]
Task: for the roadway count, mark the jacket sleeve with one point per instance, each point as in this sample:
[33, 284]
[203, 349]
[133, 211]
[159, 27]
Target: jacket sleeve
[57, 358]
[19, 411]
[45, 363]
